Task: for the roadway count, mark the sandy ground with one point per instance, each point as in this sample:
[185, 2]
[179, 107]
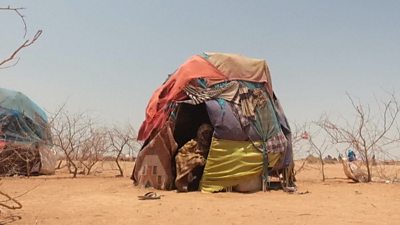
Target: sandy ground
[104, 199]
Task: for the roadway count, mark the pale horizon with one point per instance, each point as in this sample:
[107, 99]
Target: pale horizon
[107, 59]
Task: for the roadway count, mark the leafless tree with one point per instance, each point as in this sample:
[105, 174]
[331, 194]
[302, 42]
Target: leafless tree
[120, 140]
[94, 149]
[54, 117]
[70, 134]
[11, 60]
[318, 145]
[83, 144]
[368, 133]
[298, 145]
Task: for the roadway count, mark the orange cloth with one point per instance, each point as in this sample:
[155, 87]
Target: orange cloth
[216, 68]
[157, 111]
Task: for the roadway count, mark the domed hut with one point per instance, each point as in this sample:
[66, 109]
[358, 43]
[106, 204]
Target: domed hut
[25, 139]
[215, 124]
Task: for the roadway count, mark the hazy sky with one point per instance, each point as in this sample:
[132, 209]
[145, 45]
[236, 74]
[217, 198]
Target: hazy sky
[107, 57]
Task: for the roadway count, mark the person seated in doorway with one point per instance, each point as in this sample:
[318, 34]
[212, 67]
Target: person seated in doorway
[191, 158]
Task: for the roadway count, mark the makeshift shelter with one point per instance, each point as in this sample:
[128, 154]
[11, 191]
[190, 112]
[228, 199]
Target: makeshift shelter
[25, 138]
[251, 137]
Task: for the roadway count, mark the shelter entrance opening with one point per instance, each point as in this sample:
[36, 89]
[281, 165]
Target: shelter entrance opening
[193, 133]
[189, 118]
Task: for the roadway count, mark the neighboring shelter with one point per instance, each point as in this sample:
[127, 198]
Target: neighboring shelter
[25, 139]
[251, 139]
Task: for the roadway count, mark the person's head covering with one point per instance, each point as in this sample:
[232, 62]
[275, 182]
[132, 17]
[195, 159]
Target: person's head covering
[204, 134]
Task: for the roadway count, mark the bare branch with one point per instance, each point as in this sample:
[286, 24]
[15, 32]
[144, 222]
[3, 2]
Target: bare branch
[319, 148]
[367, 135]
[17, 11]
[119, 140]
[25, 44]
[17, 204]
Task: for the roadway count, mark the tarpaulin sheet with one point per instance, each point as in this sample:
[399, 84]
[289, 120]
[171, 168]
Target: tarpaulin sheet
[230, 162]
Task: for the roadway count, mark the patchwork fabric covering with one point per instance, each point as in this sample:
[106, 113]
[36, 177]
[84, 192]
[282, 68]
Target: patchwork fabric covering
[25, 138]
[251, 136]
[153, 164]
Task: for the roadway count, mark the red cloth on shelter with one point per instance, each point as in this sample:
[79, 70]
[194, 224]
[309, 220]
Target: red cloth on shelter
[217, 68]
[157, 111]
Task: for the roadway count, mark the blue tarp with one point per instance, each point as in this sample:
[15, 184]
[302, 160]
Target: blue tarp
[21, 120]
[19, 102]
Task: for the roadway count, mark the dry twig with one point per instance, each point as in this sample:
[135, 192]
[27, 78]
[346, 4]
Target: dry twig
[26, 43]
[5, 204]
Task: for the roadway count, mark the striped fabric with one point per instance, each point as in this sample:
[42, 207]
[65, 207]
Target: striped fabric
[199, 95]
